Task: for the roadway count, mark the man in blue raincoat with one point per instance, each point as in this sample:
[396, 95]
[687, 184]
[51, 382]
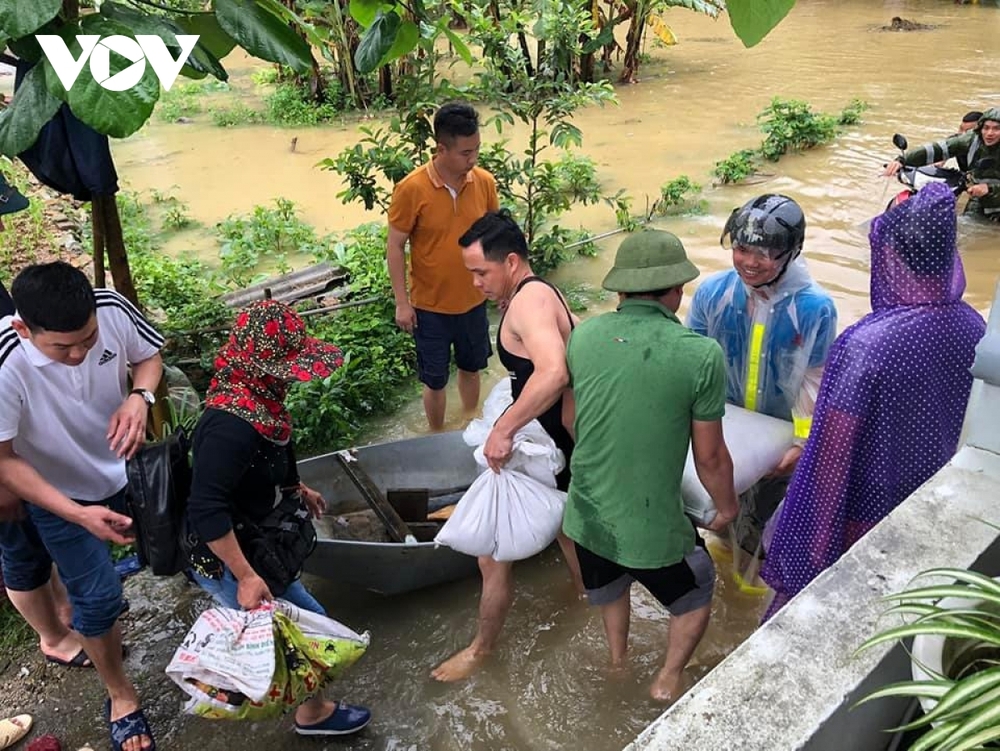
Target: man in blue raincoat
[775, 325]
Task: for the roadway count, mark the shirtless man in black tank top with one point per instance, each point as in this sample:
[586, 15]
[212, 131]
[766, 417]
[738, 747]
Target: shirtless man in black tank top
[532, 344]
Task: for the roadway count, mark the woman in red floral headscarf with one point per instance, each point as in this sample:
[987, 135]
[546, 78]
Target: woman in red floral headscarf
[246, 490]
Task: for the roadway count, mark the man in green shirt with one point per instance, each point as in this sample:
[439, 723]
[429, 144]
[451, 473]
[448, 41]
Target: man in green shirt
[645, 388]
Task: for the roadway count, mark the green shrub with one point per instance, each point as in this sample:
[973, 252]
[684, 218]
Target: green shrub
[290, 105]
[240, 114]
[736, 167]
[265, 234]
[179, 292]
[180, 101]
[379, 358]
[678, 196]
[851, 114]
[789, 124]
[268, 75]
[27, 236]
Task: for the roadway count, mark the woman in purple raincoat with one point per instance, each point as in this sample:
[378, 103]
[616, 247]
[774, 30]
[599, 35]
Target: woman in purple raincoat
[892, 399]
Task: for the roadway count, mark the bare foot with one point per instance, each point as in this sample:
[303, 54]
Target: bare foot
[459, 666]
[65, 650]
[120, 708]
[619, 671]
[314, 711]
[668, 687]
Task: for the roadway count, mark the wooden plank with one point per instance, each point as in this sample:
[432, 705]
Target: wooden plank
[290, 287]
[395, 526]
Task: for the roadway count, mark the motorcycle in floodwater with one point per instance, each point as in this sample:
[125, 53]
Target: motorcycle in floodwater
[915, 178]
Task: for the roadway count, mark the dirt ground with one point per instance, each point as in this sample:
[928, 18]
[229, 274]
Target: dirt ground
[67, 702]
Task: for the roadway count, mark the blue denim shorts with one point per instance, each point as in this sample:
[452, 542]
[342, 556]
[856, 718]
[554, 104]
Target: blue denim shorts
[84, 562]
[223, 591]
[437, 333]
[26, 563]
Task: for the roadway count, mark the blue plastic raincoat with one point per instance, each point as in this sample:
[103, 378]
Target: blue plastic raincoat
[775, 340]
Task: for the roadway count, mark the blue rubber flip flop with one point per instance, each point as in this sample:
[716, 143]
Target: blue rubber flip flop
[346, 719]
[130, 726]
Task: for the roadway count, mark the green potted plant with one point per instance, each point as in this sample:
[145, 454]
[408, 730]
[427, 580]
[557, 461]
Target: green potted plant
[955, 659]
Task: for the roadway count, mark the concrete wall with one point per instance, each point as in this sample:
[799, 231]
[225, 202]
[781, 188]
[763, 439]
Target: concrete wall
[791, 685]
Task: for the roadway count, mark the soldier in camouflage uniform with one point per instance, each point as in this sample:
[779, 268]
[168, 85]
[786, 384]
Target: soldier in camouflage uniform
[968, 148]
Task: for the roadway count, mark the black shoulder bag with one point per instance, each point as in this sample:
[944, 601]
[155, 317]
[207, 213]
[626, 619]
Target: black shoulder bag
[277, 546]
[159, 484]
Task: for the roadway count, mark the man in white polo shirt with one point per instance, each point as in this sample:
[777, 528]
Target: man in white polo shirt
[67, 424]
[44, 604]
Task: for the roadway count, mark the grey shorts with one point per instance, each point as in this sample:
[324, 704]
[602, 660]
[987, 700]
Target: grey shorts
[681, 588]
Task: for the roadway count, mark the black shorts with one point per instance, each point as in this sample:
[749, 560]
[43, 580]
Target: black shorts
[681, 588]
[437, 333]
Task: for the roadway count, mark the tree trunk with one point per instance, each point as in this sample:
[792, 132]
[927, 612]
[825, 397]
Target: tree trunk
[97, 224]
[385, 81]
[633, 44]
[587, 59]
[317, 84]
[587, 67]
[522, 41]
[114, 243]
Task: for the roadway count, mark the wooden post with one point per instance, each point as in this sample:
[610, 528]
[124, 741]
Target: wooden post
[106, 219]
[97, 222]
[115, 246]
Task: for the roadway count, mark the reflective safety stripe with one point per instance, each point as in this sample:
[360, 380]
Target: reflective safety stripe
[802, 426]
[753, 367]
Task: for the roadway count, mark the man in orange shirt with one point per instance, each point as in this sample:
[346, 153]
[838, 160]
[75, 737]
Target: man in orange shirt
[432, 207]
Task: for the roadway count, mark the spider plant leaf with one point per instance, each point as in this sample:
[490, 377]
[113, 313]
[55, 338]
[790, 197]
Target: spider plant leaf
[980, 701]
[978, 740]
[978, 580]
[960, 696]
[930, 689]
[933, 739]
[912, 608]
[932, 629]
[971, 726]
[945, 590]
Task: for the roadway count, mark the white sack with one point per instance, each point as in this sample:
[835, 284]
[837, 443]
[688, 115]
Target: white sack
[507, 515]
[496, 402]
[516, 513]
[234, 649]
[756, 443]
[227, 648]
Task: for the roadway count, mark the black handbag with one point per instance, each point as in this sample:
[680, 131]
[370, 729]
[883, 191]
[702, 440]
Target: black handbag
[277, 546]
[159, 483]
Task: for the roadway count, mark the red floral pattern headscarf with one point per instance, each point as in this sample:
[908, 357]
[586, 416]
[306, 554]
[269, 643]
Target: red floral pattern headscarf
[267, 349]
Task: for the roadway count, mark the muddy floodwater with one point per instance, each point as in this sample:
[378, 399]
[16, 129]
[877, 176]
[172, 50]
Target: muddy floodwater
[547, 687]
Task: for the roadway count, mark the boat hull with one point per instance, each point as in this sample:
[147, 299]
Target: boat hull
[439, 462]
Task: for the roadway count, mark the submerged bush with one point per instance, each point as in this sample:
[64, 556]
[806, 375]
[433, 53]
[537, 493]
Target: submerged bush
[678, 196]
[178, 292]
[737, 167]
[265, 234]
[788, 125]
